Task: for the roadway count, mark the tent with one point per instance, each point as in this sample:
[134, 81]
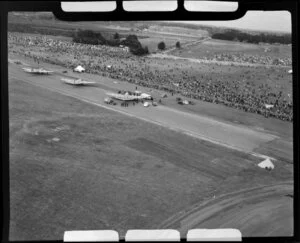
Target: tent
[290, 71]
[146, 104]
[79, 69]
[266, 164]
[164, 96]
[185, 102]
[269, 106]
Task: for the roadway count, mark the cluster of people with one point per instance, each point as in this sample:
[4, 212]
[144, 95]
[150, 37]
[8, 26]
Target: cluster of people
[115, 62]
[237, 95]
[253, 59]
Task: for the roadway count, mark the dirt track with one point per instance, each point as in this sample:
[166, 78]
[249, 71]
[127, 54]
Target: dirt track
[247, 210]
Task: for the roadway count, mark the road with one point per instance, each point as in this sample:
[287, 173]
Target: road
[232, 136]
[187, 44]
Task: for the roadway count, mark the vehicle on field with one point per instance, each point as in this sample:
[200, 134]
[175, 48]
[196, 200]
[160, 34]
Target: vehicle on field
[108, 101]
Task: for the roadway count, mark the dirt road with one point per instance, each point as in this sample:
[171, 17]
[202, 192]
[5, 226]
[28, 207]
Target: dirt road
[186, 45]
[248, 210]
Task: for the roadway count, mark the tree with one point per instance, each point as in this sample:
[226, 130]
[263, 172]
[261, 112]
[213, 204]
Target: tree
[132, 42]
[140, 51]
[161, 45]
[146, 50]
[178, 44]
[116, 36]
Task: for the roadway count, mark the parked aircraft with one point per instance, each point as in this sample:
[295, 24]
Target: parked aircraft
[127, 96]
[37, 70]
[76, 82]
[124, 97]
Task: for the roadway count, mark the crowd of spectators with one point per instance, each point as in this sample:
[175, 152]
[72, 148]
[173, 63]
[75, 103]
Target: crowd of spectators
[253, 59]
[127, 67]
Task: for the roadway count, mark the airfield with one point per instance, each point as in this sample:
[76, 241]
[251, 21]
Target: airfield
[77, 163]
[89, 165]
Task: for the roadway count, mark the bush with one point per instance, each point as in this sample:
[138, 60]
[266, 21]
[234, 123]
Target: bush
[132, 42]
[89, 37]
[161, 45]
[113, 42]
[139, 51]
[116, 36]
[178, 44]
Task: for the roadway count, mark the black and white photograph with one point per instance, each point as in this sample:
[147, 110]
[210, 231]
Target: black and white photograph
[120, 125]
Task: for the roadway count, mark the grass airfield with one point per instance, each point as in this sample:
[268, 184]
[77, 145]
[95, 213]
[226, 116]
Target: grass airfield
[76, 166]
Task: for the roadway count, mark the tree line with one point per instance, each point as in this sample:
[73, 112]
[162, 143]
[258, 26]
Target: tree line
[95, 38]
[236, 35]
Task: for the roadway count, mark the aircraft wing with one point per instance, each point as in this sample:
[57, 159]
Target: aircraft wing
[37, 70]
[86, 82]
[68, 81]
[76, 81]
[28, 70]
[45, 71]
[122, 96]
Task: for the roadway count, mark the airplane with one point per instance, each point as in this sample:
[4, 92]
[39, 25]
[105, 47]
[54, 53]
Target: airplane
[127, 96]
[37, 70]
[124, 97]
[76, 82]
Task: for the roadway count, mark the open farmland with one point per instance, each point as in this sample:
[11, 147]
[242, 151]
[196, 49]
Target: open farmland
[211, 48]
[152, 42]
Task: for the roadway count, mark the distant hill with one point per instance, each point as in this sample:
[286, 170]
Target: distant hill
[46, 23]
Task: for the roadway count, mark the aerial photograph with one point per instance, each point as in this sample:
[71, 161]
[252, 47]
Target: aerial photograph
[119, 125]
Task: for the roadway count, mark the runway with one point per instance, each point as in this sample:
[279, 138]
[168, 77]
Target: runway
[229, 135]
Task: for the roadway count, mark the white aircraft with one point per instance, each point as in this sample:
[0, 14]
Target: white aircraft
[37, 70]
[127, 96]
[124, 97]
[78, 81]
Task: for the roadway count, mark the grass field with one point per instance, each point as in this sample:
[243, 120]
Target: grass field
[170, 42]
[75, 166]
[213, 47]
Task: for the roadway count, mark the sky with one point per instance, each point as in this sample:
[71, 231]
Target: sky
[256, 20]
[252, 20]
